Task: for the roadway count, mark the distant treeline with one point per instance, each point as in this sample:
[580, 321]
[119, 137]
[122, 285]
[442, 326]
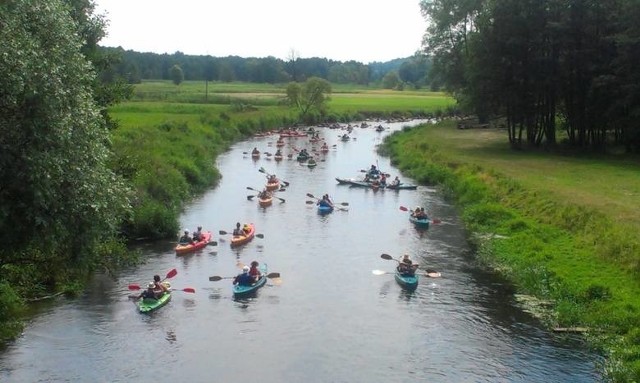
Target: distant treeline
[135, 67]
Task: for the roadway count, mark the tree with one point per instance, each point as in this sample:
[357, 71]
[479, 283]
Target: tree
[310, 96]
[391, 80]
[53, 147]
[177, 75]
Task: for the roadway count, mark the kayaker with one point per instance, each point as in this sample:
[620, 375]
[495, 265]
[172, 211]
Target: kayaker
[325, 201]
[148, 293]
[264, 194]
[373, 171]
[396, 182]
[272, 179]
[415, 213]
[278, 153]
[238, 230]
[254, 271]
[383, 180]
[243, 279]
[197, 235]
[246, 229]
[159, 288]
[186, 238]
[406, 266]
[255, 151]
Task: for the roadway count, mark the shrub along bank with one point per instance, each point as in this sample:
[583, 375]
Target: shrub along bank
[582, 258]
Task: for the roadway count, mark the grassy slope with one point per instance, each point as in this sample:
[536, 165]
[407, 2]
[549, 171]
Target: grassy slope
[570, 223]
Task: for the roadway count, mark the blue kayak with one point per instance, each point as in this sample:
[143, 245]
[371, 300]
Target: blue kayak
[420, 222]
[409, 282]
[239, 290]
[325, 209]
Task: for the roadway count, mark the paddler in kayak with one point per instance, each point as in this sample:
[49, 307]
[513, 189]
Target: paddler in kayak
[238, 230]
[197, 235]
[243, 279]
[325, 201]
[406, 266]
[254, 272]
[186, 238]
[155, 289]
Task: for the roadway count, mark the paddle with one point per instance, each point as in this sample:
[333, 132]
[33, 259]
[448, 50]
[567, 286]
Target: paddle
[312, 196]
[433, 220]
[428, 272]
[261, 170]
[216, 278]
[186, 289]
[172, 273]
[222, 232]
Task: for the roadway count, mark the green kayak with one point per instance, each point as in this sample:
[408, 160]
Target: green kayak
[148, 305]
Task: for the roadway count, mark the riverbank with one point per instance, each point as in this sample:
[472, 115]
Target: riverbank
[562, 229]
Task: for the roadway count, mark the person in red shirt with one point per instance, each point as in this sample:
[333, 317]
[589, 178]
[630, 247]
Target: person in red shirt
[254, 272]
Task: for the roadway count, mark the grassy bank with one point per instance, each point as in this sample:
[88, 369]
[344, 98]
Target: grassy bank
[566, 227]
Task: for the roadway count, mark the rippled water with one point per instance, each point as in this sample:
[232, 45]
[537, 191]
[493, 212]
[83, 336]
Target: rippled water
[330, 319]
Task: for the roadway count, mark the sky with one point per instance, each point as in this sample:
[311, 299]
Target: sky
[342, 30]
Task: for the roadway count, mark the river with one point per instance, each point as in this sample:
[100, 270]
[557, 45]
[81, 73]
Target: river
[328, 318]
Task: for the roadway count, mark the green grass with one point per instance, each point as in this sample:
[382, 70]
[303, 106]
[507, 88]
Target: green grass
[569, 224]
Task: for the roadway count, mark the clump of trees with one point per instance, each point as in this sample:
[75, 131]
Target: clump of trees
[542, 65]
[310, 98]
[60, 204]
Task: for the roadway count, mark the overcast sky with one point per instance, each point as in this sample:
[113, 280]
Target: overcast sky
[361, 30]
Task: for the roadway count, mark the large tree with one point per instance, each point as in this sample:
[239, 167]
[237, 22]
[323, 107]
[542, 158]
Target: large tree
[310, 96]
[58, 199]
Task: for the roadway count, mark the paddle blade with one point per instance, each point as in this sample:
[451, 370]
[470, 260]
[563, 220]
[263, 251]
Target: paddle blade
[222, 232]
[250, 188]
[311, 195]
[250, 197]
[189, 290]
[386, 256]
[213, 243]
[281, 200]
[285, 183]
[260, 235]
[403, 208]
[261, 170]
[134, 287]
[171, 274]
[215, 278]
[378, 272]
[344, 203]
[273, 275]
[432, 274]
[310, 202]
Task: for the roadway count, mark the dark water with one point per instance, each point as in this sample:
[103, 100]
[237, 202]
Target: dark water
[330, 319]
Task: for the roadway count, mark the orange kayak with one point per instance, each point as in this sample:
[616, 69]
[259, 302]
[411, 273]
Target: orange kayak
[184, 249]
[273, 186]
[242, 239]
[265, 202]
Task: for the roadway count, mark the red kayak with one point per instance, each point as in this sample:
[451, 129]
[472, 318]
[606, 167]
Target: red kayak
[271, 186]
[184, 249]
[238, 240]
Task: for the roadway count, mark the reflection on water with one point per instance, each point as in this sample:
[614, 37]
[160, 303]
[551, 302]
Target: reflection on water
[327, 319]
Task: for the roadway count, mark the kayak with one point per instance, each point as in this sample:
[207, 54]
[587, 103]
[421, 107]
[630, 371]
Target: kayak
[324, 209]
[420, 222]
[402, 187]
[148, 305]
[265, 202]
[409, 282]
[184, 249]
[255, 155]
[312, 164]
[242, 239]
[243, 290]
[278, 158]
[302, 157]
[272, 185]
[279, 143]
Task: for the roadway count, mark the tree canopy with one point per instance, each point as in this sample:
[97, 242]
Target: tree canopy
[309, 97]
[542, 65]
[59, 199]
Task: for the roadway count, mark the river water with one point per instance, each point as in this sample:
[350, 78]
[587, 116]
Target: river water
[328, 318]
